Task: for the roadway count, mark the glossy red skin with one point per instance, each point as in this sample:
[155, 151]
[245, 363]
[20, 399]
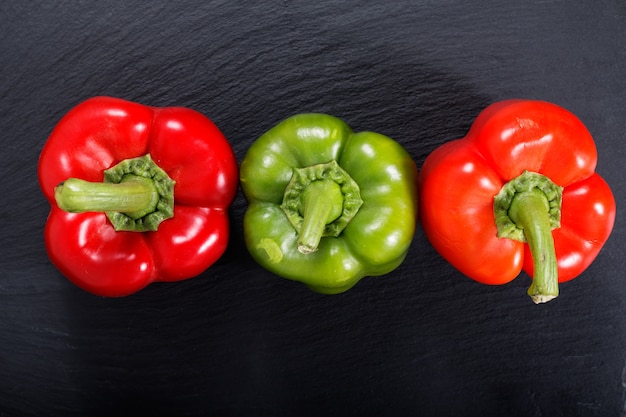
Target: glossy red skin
[459, 180]
[102, 131]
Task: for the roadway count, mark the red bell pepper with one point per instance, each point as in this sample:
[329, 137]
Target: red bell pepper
[138, 194]
[518, 192]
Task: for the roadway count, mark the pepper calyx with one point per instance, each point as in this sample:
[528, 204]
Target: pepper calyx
[319, 201]
[526, 182]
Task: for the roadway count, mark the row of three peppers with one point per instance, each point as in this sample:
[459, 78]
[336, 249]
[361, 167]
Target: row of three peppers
[141, 194]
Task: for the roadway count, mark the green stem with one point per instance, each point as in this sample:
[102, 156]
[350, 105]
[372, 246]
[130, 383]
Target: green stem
[133, 196]
[136, 195]
[319, 201]
[529, 210]
[322, 202]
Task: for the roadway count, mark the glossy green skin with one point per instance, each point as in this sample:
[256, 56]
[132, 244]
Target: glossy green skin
[377, 239]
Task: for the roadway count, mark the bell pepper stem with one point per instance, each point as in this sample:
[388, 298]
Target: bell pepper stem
[529, 210]
[133, 196]
[322, 202]
[136, 195]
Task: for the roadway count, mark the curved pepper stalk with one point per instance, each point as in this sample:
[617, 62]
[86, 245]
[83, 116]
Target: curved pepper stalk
[527, 209]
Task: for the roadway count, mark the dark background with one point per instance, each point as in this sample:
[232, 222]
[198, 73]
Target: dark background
[421, 341]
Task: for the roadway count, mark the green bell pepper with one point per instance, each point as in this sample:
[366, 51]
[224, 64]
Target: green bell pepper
[327, 206]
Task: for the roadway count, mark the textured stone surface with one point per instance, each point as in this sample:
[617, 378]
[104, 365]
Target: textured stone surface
[423, 340]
